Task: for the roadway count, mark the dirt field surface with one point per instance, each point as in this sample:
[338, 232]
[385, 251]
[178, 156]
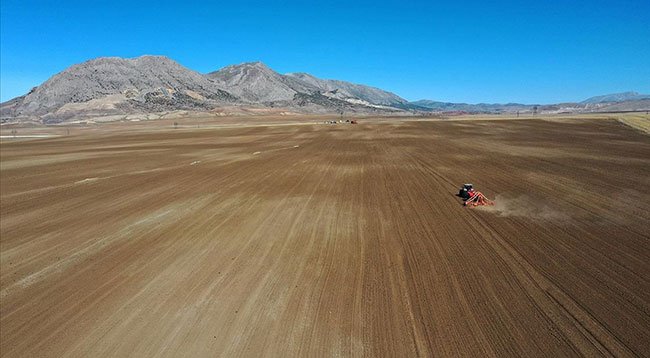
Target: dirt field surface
[328, 240]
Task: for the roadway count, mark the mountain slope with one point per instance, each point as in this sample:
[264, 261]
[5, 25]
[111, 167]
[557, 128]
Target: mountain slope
[627, 101]
[616, 97]
[256, 82]
[369, 94]
[115, 85]
[466, 107]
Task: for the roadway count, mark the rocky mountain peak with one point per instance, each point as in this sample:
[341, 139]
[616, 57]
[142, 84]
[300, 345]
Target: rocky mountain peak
[109, 86]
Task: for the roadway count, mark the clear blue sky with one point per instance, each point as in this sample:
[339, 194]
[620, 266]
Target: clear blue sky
[461, 51]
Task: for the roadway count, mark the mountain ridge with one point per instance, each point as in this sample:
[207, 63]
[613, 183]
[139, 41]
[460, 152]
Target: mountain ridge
[250, 78]
[116, 87]
[624, 101]
[617, 97]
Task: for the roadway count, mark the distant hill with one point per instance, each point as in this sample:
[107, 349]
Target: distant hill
[627, 101]
[617, 97]
[465, 107]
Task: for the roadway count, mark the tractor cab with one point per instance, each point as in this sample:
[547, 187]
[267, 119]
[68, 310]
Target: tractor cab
[465, 190]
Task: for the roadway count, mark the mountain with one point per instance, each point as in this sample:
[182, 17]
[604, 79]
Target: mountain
[112, 85]
[116, 87]
[344, 89]
[154, 86]
[627, 101]
[256, 82]
[465, 107]
[617, 97]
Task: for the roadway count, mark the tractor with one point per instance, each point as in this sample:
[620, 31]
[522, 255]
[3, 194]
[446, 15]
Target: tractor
[472, 197]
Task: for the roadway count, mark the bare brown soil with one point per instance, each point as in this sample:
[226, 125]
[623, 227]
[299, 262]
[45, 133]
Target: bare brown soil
[319, 240]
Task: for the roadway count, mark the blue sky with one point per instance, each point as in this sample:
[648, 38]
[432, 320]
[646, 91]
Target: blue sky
[469, 51]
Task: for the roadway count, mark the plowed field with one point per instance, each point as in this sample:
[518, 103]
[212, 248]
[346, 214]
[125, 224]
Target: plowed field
[319, 240]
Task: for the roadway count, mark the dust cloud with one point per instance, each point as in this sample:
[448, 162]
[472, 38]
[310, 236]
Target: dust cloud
[524, 206]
